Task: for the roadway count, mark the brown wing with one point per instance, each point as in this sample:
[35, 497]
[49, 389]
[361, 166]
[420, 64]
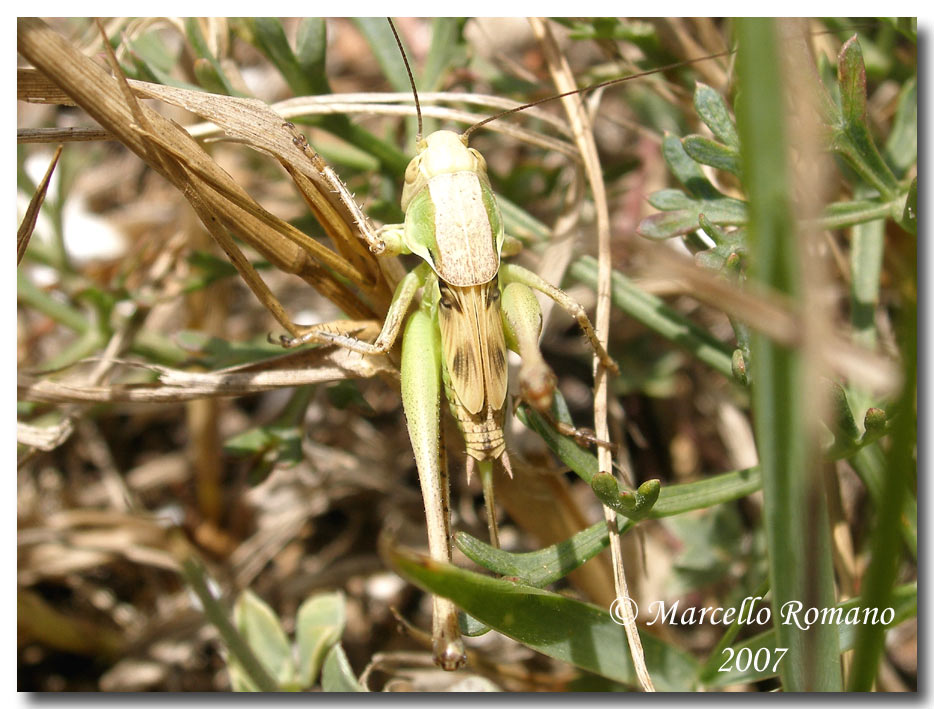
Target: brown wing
[473, 344]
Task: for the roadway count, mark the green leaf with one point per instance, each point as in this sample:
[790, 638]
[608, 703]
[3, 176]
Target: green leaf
[712, 490]
[579, 633]
[843, 424]
[217, 353]
[852, 76]
[152, 51]
[687, 170]
[208, 69]
[284, 441]
[702, 198]
[635, 505]
[713, 111]
[853, 213]
[901, 148]
[311, 62]
[379, 36]
[725, 211]
[153, 61]
[208, 268]
[667, 225]
[260, 627]
[542, 567]
[718, 235]
[669, 200]
[319, 625]
[711, 545]
[909, 218]
[270, 38]
[311, 47]
[346, 394]
[710, 152]
[470, 626]
[337, 675]
[545, 566]
[852, 136]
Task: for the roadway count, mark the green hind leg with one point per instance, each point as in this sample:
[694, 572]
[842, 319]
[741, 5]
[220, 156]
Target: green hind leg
[421, 399]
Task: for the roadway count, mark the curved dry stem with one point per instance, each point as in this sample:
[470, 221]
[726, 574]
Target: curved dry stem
[298, 108]
[582, 127]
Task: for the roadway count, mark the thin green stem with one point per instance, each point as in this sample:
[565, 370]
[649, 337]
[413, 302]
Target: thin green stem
[30, 294]
[216, 614]
[880, 576]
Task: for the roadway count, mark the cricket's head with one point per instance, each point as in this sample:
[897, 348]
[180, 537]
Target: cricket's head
[443, 152]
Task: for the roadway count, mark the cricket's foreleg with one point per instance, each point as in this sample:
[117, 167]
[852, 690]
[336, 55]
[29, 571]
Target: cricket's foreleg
[421, 399]
[511, 273]
[392, 239]
[398, 308]
[522, 320]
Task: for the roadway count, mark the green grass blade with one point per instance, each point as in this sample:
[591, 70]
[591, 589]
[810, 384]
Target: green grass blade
[795, 512]
[446, 48]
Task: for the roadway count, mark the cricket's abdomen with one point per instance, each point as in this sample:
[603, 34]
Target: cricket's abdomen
[482, 431]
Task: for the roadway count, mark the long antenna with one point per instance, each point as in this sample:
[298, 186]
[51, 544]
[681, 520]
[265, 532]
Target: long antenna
[408, 69]
[609, 82]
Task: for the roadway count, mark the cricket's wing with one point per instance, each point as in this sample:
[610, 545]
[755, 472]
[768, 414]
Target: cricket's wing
[473, 344]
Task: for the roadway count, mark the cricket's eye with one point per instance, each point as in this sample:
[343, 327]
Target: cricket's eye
[445, 299]
[481, 161]
[493, 294]
[411, 172]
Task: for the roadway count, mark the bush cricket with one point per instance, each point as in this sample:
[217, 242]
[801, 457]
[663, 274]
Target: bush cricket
[472, 308]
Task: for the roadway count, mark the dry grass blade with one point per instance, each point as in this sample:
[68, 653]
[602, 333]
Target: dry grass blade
[255, 124]
[37, 620]
[773, 315]
[92, 89]
[44, 438]
[324, 364]
[61, 135]
[261, 127]
[33, 86]
[32, 211]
